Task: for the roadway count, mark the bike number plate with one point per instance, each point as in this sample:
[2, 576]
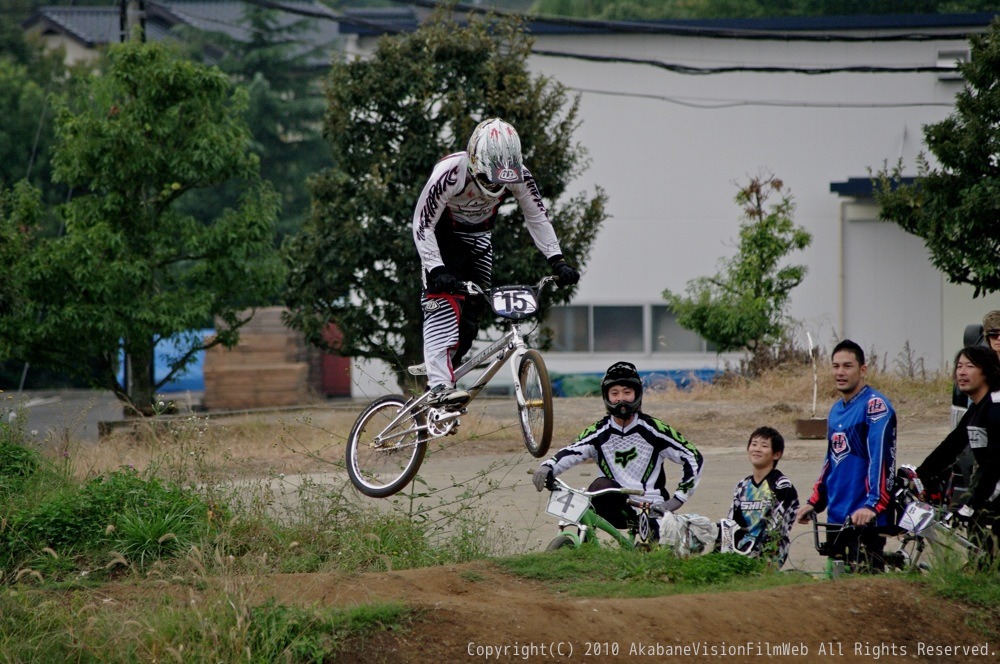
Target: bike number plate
[514, 302]
[567, 505]
[917, 517]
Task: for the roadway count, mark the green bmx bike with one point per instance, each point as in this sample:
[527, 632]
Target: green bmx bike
[579, 522]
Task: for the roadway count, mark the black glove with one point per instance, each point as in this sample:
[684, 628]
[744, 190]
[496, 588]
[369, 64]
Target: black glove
[440, 280]
[542, 479]
[566, 274]
[664, 506]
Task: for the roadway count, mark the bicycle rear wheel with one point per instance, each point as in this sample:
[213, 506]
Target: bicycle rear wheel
[382, 459]
[536, 413]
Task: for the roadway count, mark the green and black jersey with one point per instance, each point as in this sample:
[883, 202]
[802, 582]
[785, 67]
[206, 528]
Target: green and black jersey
[634, 455]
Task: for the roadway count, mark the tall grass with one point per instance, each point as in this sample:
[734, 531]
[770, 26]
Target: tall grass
[197, 519]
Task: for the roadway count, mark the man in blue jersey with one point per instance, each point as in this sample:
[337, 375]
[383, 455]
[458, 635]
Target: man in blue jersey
[856, 481]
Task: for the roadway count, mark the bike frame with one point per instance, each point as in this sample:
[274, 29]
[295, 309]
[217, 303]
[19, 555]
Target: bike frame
[510, 346]
[590, 521]
[928, 533]
[586, 533]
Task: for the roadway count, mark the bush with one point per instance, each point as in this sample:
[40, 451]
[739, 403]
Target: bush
[17, 464]
[121, 508]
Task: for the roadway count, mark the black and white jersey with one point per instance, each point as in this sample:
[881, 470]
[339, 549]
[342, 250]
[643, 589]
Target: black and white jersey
[452, 202]
[634, 455]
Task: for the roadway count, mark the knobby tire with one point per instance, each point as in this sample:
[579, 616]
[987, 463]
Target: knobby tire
[535, 415]
[380, 471]
[561, 542]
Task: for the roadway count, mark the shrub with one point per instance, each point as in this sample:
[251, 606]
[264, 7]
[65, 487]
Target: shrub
[120, 508]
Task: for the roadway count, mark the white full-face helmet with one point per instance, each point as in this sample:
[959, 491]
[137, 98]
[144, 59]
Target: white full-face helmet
[495, 156]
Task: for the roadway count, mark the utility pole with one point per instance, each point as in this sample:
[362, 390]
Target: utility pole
[132, 20]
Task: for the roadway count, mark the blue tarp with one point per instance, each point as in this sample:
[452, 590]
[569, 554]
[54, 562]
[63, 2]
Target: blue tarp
[192, 379]
[589, 384]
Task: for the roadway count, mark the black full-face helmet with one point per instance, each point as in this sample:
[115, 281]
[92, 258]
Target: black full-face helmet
[622, 373]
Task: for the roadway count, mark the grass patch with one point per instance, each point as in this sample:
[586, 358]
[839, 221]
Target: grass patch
[221, 626]
[951, 579]
[594, 571]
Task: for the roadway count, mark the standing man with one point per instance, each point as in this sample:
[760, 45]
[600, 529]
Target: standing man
[991, 330]
[631, 450]
[977, 374]
[452, 228]
[856, 481]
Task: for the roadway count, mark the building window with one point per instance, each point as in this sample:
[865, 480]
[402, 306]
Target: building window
[669, 337]
[618, 329]
[612, 329]
[570, 328]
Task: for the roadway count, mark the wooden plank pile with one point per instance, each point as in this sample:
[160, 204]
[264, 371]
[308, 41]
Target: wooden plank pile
[269, 367]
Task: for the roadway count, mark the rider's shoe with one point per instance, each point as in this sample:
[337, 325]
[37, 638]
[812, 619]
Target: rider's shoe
[445, 395]
[417, 369]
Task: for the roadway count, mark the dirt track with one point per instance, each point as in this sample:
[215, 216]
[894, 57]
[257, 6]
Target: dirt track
[476, 612]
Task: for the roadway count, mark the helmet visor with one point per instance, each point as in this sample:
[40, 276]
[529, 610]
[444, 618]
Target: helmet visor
[511, 174]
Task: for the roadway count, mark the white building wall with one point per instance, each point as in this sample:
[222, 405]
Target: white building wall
[671, 150]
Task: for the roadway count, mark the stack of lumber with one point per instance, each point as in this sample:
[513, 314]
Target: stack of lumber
[269, 367]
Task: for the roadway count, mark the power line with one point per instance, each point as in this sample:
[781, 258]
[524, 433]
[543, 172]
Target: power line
[769, 69]
[734, 103]
[327, 15]
[673, 67]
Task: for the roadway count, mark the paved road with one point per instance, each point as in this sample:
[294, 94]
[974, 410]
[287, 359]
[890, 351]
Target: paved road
[55, 415]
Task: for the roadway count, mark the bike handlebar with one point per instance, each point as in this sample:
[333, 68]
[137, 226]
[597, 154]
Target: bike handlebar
[600, 492]
[473, 288]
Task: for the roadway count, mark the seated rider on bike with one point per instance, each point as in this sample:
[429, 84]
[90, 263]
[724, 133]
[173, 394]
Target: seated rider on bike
[977, 375]
[630, 449]
[765, 501]
[452, 226]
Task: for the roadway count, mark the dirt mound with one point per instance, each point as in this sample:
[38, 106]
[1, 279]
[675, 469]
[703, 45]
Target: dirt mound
[476, 612]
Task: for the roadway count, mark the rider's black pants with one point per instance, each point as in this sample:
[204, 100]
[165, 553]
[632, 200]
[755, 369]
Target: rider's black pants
[614, 508]
[860, 548]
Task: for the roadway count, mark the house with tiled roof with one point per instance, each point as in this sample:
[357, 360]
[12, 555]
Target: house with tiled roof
[83, 31]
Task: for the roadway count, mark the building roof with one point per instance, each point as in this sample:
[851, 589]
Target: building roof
[94, 27]
[386, 21]
[864, 187]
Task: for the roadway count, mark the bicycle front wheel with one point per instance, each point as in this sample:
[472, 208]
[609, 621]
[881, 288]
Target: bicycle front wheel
[383, 457]
[536, 413]
[561, 542]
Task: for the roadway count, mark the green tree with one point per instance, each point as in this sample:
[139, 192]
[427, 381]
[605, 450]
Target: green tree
[282, 68]
[744, 305]
[954, 207]
[389, 119]
[130, 270]
[31, 83]
[20, 210]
